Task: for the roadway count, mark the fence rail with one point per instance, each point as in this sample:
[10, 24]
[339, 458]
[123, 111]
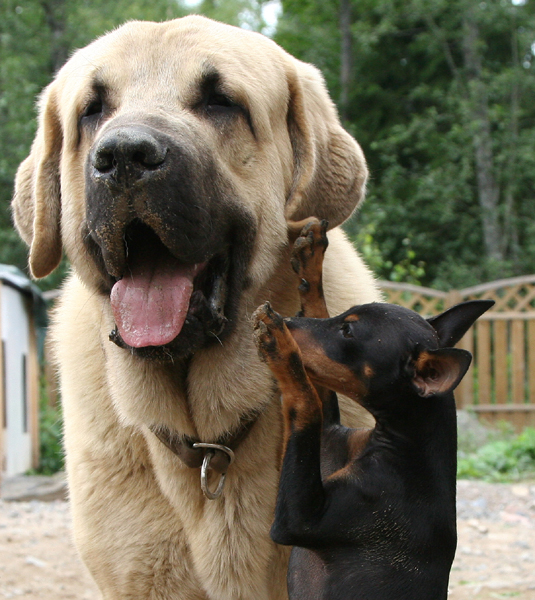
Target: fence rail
[500, 384]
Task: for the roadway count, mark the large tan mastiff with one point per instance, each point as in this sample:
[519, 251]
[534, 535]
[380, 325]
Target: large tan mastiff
[168, 161]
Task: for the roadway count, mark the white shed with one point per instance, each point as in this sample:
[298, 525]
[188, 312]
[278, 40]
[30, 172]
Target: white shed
[20, 304]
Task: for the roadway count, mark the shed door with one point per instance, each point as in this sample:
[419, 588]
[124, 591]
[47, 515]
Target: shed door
[15, 341]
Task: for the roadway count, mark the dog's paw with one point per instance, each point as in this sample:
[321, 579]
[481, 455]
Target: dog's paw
[266, 315]
[308, 250]
[268, 325]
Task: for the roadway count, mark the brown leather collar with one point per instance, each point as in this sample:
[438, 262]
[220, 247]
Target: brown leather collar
[182, 445]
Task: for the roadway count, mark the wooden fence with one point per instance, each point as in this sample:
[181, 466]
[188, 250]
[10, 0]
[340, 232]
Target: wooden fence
[500, 384]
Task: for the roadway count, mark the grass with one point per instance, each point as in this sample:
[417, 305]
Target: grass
[51, 454]
[510, 458]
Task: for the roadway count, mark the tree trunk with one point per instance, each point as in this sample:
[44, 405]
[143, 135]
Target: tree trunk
[488, 190]
[345, 57]
[510, 223]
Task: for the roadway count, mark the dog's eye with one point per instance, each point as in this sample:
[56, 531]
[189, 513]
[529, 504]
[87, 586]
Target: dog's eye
[220, 104]
[219, 100]
[93, 108]
[222, 108]
[346, 330]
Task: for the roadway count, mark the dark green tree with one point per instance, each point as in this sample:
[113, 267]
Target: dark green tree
[439, 93]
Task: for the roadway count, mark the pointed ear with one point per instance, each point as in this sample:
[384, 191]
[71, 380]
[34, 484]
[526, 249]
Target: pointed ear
[452, 324]
[440, 371]
[329, 167]
[37, 204]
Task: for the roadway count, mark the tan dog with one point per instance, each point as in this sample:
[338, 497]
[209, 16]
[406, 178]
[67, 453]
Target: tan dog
[168, 162]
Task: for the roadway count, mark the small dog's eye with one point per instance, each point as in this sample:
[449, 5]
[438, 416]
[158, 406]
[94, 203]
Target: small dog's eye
[346, 330]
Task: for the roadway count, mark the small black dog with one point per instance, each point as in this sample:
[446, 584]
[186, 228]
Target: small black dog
[371, 513]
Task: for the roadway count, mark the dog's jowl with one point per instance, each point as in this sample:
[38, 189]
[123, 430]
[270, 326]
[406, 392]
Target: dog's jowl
[168, 162]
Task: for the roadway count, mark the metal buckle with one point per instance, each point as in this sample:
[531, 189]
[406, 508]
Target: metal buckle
[211, 448]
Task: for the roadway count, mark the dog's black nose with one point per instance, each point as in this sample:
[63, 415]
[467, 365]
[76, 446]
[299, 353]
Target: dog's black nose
[127, 154]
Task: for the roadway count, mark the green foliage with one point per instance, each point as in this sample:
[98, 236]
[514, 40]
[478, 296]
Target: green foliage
[51, 435]
[414, 110]
[242, 13]
[51, 453]
[407, 270]
[501, 460]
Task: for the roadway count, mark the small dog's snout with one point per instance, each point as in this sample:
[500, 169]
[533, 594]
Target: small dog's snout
[128, 154]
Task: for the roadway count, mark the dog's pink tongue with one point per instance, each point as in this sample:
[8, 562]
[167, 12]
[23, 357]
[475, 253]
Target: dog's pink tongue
[151, 302]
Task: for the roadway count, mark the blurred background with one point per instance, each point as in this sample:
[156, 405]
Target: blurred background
[441, 96]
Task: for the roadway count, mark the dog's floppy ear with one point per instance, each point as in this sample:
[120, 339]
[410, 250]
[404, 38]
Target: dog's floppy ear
[440, 371]
[329, 167]
[37, 203]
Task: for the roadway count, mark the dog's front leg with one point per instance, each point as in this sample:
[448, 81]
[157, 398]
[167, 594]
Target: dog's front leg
[301, 496]
[307, 262]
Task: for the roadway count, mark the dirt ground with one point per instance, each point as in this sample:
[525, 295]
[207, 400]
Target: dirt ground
[495, 555]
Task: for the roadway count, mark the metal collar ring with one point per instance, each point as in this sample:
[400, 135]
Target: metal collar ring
[210, 452]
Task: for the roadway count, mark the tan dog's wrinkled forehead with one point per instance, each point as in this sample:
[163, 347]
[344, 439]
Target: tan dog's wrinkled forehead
[159, 65]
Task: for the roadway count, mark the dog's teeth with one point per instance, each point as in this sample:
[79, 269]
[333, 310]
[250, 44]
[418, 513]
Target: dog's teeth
[218, 298]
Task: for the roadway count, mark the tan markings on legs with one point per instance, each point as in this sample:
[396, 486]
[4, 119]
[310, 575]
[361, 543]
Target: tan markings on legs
[357, 441]
[301, 404]
[295, 228]
[307, 261]
[356, 444]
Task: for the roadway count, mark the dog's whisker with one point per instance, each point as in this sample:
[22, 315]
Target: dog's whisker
[216, 337]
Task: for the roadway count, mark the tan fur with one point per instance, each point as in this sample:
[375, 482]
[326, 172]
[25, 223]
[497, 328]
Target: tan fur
[141, 523]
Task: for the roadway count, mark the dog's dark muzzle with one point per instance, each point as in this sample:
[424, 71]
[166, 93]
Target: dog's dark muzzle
[167, 230]
[163, 179]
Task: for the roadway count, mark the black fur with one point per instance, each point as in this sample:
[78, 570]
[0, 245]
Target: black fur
[379, 524]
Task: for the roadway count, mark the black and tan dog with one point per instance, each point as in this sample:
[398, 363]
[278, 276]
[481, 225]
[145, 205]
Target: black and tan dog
[371, 512]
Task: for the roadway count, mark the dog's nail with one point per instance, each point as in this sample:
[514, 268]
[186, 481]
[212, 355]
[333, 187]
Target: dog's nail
[304, 286]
